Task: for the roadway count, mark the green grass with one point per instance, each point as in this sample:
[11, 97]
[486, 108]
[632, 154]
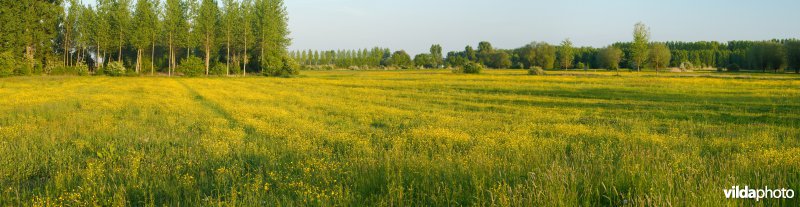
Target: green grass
[399, 138]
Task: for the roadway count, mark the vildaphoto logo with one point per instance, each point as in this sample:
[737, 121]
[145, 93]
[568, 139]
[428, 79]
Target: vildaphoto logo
[758, 194]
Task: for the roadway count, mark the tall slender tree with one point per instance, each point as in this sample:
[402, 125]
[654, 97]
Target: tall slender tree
[68, 30]
[192, 10]
[121, 24]
[639, 50]
[87, 32]
[207, 21]
[174, 27]
[156, 33]
[145, 22]
[245, 32]
[566, 54]
[436, 53]
[229, 18]
[102, 30]
[273, 33]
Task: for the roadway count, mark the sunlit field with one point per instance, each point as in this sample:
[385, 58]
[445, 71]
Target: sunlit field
[399, 138]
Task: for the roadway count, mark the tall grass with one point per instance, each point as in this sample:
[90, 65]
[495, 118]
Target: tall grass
[413, 138]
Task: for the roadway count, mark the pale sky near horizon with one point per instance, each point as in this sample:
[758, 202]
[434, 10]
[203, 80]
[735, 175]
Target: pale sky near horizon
[414, 25]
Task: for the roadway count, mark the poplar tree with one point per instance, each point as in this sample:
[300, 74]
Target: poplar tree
[566, 54]
[436, 53]
[639, 51]
[102, 34]
[228, 20]
[68, 30]
[206, 22]
[145, 22]
[174, 27]
[156, 8]
[192, 9]
[273, 33]
[87, 30]
[121, 24]
[245, 31]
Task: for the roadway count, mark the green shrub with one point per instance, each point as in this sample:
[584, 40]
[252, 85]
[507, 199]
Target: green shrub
[318, 67]
[288, 68]
[192, 67]
[687, 66]
[38, 68]
[100, 70]
[472, 68]
[536, 71]
[235, 69]
[115, 69]
[58, 70]
[24, 69]
[8, 64]
[53, 68]
[82, 69]
[581, 66]
[79, 69]
[131, 73]
[218, 69]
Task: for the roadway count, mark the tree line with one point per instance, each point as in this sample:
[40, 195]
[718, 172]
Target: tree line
[198, 37]
[147, 36]
[640, 53]
[368, 59]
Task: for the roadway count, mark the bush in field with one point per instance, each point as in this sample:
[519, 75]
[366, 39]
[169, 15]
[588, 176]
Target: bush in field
[8, 64]
[82, 69]
[192, 67]
[687, 66]
[218, 69]
[52, 67]
[288, 68]
[470, 68]
[319, 67]
[59, 70]
[536, 70]
[99, 70]
[24, 69]
[115, 69]
[581, 66]
[235, 69]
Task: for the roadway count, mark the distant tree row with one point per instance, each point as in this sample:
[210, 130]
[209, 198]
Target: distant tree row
[146, 36]
[368, 59]
[640, 53]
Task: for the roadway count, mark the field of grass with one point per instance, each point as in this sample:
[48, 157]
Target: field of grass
[398, 138]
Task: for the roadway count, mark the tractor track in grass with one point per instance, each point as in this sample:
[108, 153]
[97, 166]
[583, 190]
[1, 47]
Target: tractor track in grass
[219, 110]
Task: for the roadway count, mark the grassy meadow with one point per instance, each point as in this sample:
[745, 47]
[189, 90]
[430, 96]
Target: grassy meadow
[399, 138]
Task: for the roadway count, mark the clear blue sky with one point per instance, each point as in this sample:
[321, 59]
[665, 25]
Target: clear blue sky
[414, 25]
